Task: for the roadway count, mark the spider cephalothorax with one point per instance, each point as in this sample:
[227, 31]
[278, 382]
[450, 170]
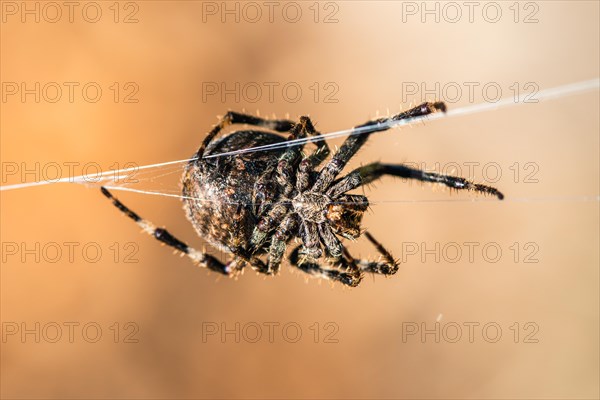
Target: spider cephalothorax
[255, 203]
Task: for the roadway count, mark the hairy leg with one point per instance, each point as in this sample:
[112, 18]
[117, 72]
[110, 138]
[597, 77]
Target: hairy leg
[388, 266]
[369, 173]
[355, 141]
[286, 230]
[266, 224]
[286, 174]
[308, 164]
[351, 278]
[333, 246]
[279, 125]
[198, 257]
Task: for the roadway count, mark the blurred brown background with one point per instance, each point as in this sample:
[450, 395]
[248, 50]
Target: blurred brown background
[367, 52]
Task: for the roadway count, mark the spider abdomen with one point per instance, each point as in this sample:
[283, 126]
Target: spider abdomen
[219, 193]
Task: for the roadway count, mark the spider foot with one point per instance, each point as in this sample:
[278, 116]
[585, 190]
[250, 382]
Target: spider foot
[351, 279]
[381, 268]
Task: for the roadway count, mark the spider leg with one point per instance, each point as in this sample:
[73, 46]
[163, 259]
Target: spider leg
[264, 192]
[388, 266]
[308, 164]
[267, 224]
[310, 239]
[200, 258]
[285, 166]
[355, 141]
[279, 125]
[278, 243]
[369, 173]
[332, 244]
[284, 175]
[351, 278]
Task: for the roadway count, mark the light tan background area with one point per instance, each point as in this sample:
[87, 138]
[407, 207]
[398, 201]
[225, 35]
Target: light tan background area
[547, 311]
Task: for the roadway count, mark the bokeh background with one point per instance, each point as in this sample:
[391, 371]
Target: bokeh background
[361, 56]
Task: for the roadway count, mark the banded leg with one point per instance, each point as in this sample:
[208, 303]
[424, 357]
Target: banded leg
[278, 243]
[355, 141]
[333, 246]
[308, 164]
[369, 173]
[279, 125]
[285, 170]
[310, 239]
[200, 258]
[388, 266]
[267, 224]
[264, 192]
[285, 166]
[351, 278]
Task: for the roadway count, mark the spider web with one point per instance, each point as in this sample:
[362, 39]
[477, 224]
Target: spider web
[158, 179]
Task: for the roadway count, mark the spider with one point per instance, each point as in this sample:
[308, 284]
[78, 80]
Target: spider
[255, 203]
